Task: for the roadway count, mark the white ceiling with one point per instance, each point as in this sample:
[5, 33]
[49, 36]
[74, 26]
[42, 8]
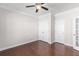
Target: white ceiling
[21, 8]
[60, 7]
[54, 7]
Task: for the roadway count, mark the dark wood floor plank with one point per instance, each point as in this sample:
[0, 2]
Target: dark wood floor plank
[40, 48]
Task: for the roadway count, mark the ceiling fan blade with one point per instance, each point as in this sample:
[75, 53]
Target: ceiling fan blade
[44, 8]
[30, 6]
[42, 3]
[36, 10]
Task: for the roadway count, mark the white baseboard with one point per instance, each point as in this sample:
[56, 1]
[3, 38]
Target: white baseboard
[68, 44]
[1, 49]
[76, 48]
[47, 41]
[8, 47]
[64, 43]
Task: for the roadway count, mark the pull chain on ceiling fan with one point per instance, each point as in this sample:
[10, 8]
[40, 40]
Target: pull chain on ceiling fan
[38, 6]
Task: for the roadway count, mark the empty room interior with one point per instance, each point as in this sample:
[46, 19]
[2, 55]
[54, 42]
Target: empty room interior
[39, 29]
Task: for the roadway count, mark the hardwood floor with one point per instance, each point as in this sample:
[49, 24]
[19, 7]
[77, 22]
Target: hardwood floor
[40, 48]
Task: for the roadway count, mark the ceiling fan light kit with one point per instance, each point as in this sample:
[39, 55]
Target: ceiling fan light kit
[38, 6]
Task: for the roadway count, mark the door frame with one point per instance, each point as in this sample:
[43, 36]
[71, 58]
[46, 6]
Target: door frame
[74, 33]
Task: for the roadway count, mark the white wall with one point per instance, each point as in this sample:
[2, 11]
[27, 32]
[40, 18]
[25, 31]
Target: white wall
[59, 29]
[65, 18]
[52, 28]
[16, 29]
[45, 27]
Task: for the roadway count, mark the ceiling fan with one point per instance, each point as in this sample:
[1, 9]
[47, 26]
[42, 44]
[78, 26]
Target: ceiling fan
[38, 6]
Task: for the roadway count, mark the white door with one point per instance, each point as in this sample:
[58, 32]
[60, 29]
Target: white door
[76, 33]
[45, 28]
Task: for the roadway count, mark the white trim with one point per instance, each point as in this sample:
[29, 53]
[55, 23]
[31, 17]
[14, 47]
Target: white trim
[46, 41]
[52, 42]
[64, 43]
[49, 42]
[1, 49]
[68, 44]
[76, 48]
[59, 41]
